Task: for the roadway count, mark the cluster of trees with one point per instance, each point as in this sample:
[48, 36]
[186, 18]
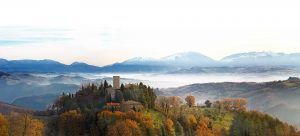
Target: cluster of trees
[173, 105]
[92, 97]
[20, 124]
[141, 93]
[110, 123]
[235, 104]
[125, 123]
[184, 117]
[226, 117]
[83, 106]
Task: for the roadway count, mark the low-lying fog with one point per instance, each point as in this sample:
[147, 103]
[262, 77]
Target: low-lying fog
[174, 80]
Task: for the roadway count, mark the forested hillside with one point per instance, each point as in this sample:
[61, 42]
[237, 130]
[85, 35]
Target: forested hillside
[278, 98]
[135, 110]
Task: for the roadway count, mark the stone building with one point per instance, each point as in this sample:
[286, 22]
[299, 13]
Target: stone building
[116, 82]
[131, 105]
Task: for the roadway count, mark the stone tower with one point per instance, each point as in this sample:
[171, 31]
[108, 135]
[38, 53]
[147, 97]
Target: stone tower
[116, 82]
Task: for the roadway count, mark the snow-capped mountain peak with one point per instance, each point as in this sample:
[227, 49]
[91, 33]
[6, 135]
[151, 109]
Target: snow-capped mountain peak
[251, 55]
[185, 55]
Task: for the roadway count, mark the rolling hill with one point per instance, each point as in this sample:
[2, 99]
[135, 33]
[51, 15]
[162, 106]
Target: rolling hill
[6, 108]
[267, 97]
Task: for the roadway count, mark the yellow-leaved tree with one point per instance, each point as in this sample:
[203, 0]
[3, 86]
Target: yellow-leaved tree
[3, 126]
[23, 124]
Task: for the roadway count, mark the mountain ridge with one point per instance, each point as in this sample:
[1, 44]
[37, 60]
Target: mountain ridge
[177, 61]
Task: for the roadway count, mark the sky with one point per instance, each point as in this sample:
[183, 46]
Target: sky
[103, 32]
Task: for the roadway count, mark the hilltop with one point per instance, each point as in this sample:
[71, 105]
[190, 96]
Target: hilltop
[6, 108]
[136, 110]
[265, 97]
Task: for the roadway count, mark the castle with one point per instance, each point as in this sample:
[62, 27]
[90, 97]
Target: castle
[116, 82]
[115, 87]
[123, 105]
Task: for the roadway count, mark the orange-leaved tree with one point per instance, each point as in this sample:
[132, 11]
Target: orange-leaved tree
[203, 129]
[170, 128]
[190, 100]
[124, 128]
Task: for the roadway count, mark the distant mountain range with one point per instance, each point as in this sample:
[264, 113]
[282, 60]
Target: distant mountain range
[44, 66]
[262, 59]
[185, 60]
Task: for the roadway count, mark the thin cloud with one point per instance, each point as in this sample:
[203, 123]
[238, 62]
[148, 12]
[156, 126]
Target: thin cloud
[28, 35]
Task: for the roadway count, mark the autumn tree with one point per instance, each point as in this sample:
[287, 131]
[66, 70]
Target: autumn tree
[124, 128]
[3, 126]
[175, 103]
[190, 100]
[236, 104]
[23, 124]
[163, 104]
[37, 128]
[170, 127]
[170, 106]
[71, 123]
[147, 120]
[203, 129]
[189, 122]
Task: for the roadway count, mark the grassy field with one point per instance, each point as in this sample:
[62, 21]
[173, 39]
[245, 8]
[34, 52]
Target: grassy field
[224, 122]
[158, 117]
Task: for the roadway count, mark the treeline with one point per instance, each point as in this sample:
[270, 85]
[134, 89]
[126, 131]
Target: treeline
[254, 123]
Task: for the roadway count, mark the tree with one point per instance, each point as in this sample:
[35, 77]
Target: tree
[208, 103]
[203, 129]
[170, 128]
[124, 128]
[189, 122]
[22, 124]
[235, 104]
[148, 121]
[105, 84]
[3, 126]
[122, 88]
[71, 123]
[175, 101]
[37, 128]
[190, 100]
[118, 96]
[163, 104]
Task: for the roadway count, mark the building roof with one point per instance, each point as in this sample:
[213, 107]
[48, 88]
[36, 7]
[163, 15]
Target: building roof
[131, 102]
[112, 104]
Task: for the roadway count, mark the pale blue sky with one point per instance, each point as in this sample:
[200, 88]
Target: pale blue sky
[103, 32]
